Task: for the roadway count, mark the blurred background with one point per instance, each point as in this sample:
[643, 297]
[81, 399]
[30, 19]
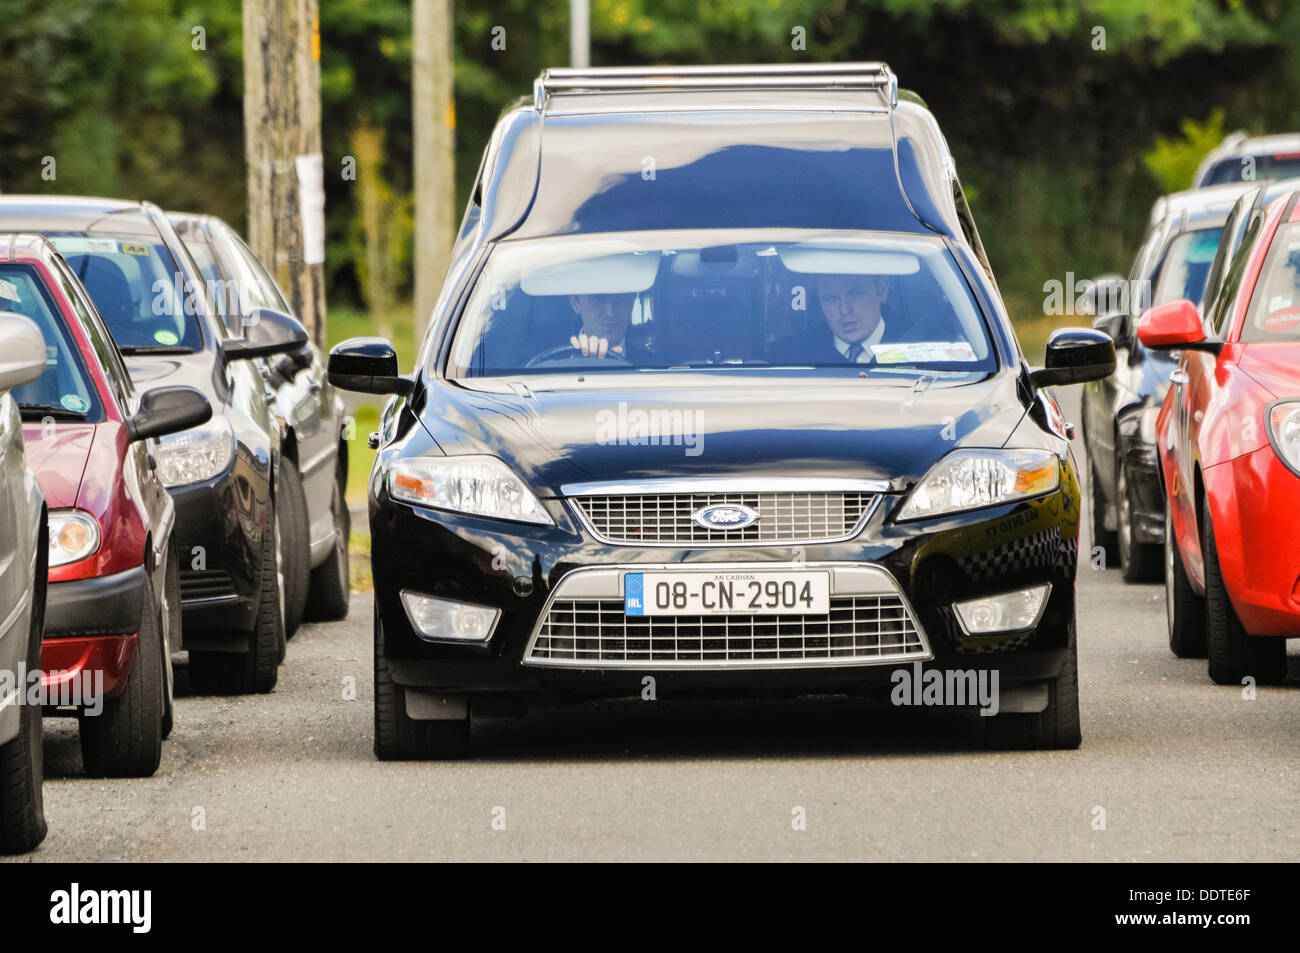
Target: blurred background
[1067, 117]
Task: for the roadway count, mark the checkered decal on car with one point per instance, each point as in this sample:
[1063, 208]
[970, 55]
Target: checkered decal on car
[1031, 552]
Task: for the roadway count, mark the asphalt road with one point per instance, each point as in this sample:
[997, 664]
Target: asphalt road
[1175, 767]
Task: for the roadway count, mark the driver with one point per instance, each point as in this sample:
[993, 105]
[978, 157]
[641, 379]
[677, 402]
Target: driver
[605, 320]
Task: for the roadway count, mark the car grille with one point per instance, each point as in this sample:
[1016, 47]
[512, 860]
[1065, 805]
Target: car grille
[783, 516]
[206, 584]
[859, 629]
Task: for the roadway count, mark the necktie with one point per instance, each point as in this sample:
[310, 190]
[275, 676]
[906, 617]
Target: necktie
[855, 351]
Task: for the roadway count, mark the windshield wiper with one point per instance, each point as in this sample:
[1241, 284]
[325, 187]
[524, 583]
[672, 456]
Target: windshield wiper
[156, 349]
[37, 411]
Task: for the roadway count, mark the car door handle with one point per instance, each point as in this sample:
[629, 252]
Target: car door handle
[1178, 376]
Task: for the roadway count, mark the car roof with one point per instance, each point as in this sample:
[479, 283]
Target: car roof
[57, 213]
[24, 246]
[1197, 208]
[785, 140]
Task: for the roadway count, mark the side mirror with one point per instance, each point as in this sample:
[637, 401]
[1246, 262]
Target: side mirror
[165, 410]
[367, 365]
[1074, 356]
[22, 351]
[266, 332]
[1175, 325]
[301, 358]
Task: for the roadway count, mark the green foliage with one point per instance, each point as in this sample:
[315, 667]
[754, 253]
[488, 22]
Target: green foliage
[1172, 162]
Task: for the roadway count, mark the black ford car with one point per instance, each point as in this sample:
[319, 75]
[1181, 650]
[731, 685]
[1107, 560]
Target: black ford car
[720, 397]
[222, 474]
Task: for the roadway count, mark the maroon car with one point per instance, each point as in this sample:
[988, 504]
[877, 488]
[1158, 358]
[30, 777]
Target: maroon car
[113, 604]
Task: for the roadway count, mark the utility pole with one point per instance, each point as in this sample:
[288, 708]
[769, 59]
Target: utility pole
[434, 121]
[579, 33]
[286, 197]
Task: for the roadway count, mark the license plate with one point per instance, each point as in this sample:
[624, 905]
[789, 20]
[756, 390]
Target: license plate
[743, 592]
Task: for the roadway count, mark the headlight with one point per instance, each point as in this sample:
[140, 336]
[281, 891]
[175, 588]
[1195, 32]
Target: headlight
[1284, 432]
[970, 479]
[74, 535]
[197, 454]
[481, 485]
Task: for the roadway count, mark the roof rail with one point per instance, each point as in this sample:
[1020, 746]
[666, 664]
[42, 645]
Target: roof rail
[873, 77]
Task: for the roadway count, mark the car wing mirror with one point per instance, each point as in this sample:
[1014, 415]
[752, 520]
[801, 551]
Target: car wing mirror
[1074, 356]
[367, 365]
[22, 351]
[1175, 325]
[165, 410]
[266, 332]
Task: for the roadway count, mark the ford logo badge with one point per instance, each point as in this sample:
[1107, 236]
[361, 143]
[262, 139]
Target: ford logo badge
[725, 516]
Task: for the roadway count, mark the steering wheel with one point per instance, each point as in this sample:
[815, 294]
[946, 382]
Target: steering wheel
[568, 354]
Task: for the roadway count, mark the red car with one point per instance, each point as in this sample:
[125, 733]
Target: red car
[113, 604]
[1228, 442]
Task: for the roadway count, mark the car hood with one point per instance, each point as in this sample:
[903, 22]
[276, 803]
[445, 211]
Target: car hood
[57, 455]
[813, 428]
[1276, 366]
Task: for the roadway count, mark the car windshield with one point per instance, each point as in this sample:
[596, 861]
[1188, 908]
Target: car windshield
[1186, 266]
[1251, 168]
[878, 302]
[1274, 313]
[138, 290]
[64, 390]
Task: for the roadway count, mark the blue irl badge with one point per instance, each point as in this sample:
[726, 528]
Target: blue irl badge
[633, 590]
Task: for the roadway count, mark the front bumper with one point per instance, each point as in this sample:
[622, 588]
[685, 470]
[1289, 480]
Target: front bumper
[518, 568]
[220, 529]
[91, 633]
[1255, 505]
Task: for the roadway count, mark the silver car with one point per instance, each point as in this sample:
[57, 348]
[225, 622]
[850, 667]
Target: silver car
[24, 550]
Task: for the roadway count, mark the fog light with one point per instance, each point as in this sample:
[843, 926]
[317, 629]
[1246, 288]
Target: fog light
[1006, 612]
[439, 620]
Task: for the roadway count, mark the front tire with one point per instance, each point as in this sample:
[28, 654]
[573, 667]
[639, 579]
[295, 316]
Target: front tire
[22, 760]
[1101, 537]
[400, 738]
[1056, 727]
[331, 581]
[291, 515]
[257, 670]
[125, 739]
[1184, 609]
[1140, 561]
[1234, 654]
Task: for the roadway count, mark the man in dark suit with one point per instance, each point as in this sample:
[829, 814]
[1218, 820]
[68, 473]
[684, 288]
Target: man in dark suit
[851, 306]
[605, 321]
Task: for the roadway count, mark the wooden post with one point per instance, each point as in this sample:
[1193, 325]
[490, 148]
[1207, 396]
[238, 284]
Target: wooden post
[286, 202]
[434, 120]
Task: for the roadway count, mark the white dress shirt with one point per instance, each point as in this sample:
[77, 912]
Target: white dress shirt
[866, 357]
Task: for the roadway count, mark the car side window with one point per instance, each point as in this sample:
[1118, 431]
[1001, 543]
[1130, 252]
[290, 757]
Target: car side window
[1218, 319]
[268, 292]
[110, 358]
[1217, 267]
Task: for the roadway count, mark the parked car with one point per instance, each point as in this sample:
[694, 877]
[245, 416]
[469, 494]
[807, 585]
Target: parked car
[1125, 502]
[1228, 435]
[22, 597]
[1243, 158]
[221, 475]
[641, 451]
[313, 459]
[113, 608]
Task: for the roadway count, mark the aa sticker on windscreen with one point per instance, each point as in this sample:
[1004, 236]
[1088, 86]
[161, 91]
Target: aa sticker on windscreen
[921, 352]
[9, 291]
[130, 249]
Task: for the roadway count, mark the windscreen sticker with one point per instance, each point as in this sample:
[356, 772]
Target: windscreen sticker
[76, 245]
[9, 291]
[166, 337]
[75, 402]
[919, 352]
[1281, 320]
[130, 249]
